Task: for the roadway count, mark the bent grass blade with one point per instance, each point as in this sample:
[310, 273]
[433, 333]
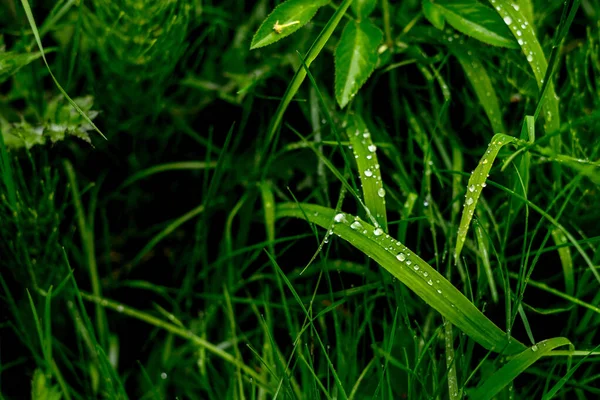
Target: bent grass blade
[476, 185]
[411, 270]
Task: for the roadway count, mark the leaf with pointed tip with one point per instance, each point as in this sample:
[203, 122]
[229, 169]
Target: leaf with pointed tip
[285, 19]
[433, 14]
[476, 20]
[363, 8]
[355, 58]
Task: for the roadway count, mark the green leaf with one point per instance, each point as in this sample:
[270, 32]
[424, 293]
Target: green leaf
[505, 375]
[363, 8]
[11, 62]
[285, 19]
[476, 20]
[410, 269]
[433, 14]
[355, 58]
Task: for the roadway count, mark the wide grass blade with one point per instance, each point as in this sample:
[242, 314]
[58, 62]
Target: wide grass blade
[410, 269]
[505, 375]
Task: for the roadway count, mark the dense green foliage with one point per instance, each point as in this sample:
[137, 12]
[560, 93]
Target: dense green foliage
[255, 200]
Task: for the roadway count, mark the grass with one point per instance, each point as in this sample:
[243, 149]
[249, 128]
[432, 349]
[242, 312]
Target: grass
[258, 224]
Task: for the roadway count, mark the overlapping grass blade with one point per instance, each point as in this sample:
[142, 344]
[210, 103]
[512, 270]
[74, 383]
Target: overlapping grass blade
[523, 31]
[410, 269]
[298, 78]
[505, 375]
[476, 185]
[482, 84]
[365, 153]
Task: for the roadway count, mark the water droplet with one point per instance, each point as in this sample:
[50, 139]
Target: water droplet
[439, 291]
[163, 375]
[469, 201]
[430, 282]
[519, 33]
[472, 188]
[520, 41]
[507, 20]
[356, 225]
[485, 161]
[408, 262]
[483, 184]
[534, 348]
[372, 148]
[401, 257]
[368, 173]
[339, 218]
[120, 308]
[366, 135]
[381, 192]
[378, 232]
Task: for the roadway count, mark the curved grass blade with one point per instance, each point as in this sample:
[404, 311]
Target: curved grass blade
[505, 375]
[268, 200]
[174, 166]
[476, 185]
[38, 40]
[525, 35]
[355, 58]
[285, 19]
[298, 78]
[564, 253]
[365, 153]
[476, 20]
[411, 270]
[480, 80]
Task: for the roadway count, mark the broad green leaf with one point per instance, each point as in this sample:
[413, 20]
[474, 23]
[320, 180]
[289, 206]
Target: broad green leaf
[411, 270]
[525, 36]
[365, 153]
[476, 20]
[355, 58]
[433, 14]
[505, 375]
[11, 62]
[285, 19]
[484, 89]
[476, 185]
[363, 8]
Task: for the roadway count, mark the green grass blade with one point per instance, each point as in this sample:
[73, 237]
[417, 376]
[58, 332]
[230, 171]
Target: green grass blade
[484, 89]
[564, 253]
[268, 200]
[365, 153]
[312, 54]
[505, 375]
[174, 166]
[38, 40]
[409, 268]
[476, 185]
[523, 31]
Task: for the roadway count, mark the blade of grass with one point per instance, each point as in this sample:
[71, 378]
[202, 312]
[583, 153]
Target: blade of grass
[410, 269]
[477, 182]
[38, 40]
[365, 153]
[505, 375]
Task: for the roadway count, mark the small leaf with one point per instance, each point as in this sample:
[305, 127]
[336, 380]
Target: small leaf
[476, 20]
[433, 14]
[363, 8]
[285, 19]
[11, 62]
[355, 58]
